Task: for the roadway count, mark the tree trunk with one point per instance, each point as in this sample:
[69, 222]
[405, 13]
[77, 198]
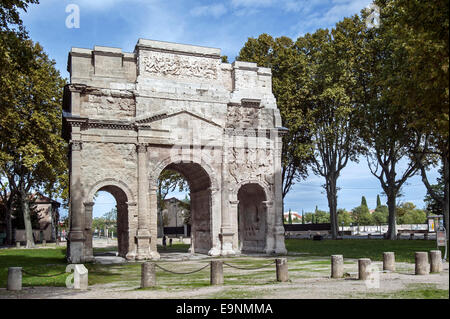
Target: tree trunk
[392, 229]
[446, 191]
[8, 222]
[25, 205]
[332, 205]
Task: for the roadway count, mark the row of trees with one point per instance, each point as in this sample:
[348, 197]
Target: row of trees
[357, 91]
[32, 152]
[406, 213]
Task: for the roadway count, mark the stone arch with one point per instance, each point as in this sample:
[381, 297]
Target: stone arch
[110, 182]
[265, 186]
[180, 158]
[252, 216]
[204, 194]
[124, 199]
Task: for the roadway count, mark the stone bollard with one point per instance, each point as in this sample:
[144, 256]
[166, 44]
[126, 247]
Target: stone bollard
[148, 275]
[17, 244]
[436, 261]
[282, 269]
[216, 272]
[14, 278]
[389, 261]
[337, 266]
[422, 267]
[44, 242]
[80, 277]
[363, 268]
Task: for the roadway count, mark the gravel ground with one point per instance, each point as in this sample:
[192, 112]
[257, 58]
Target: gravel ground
[311, 282]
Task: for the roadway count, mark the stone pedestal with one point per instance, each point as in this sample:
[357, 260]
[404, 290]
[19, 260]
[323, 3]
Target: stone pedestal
[436, 261]
[337, 266]
[364, 268]
[282, 269]
[148, 275]
[422, 267]
[389, 261]
[216, 272]
[14, 278]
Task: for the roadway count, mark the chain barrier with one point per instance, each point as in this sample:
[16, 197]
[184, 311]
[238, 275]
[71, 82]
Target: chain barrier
[255, 268]
[181, 273]
[36, 275]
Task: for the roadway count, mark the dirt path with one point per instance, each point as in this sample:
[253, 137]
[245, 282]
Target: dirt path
[310, 283]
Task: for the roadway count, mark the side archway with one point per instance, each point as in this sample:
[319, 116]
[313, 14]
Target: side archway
[124, 200]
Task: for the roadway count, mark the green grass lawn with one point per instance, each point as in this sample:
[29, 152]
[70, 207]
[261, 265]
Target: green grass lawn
[361, 248]
[48, 261]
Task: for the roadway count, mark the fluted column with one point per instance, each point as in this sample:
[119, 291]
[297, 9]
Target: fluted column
[88, 250]
[76, 236]
[143, 233]
[226, 232]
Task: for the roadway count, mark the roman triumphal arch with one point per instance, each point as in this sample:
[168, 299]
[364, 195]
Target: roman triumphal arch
[129, 116]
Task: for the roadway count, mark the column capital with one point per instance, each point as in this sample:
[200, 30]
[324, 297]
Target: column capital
[141, 148]
[76, 145]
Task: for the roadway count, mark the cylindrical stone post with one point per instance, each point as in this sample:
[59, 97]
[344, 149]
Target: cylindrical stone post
[389, 261]
[148, 275]
[436, 261]
[337, 266]
[18, 244]
[282, 269]
[421, 263]
[14, 278]
[216, 272]
[363, 268]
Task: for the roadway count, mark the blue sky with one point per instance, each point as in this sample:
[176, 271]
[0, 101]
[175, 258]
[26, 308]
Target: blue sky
[220, 24]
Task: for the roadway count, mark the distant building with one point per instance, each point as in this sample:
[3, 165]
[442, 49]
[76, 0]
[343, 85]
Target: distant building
[47, 211]
[294, 216]
[174, 212]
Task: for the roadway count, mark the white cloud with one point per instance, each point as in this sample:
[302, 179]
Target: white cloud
[216, 10]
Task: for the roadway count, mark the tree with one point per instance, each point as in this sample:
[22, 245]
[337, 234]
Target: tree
[384, 119]
[361, 215]
[421, 28]
[32, 151]
[290, 217]
[408, 214]
[364, 202]
[433, 203]
[344, 217]
[321, 217]
[330, 96]
[378, 201]
[12, 48]
[380, 215]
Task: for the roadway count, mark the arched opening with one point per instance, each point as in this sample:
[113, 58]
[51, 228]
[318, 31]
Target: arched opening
[196, 218]
[252, 218]
[109, 229]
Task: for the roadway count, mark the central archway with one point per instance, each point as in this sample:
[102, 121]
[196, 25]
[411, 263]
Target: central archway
[200, 204]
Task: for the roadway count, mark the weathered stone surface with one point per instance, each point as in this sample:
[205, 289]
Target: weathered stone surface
[422, 266]
[337, 266]
[436, 261]
[282, 269]
[14, 278]
[129, 116]
[389, 261]
[148, 275]
[364, 268]
[216, 272]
